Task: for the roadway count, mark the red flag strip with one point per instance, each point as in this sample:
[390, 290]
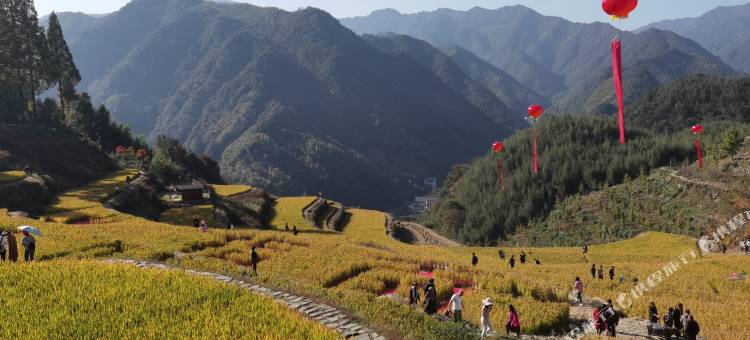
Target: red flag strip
[501, 170]
[700, 155]
[536, 163]
[617, 76]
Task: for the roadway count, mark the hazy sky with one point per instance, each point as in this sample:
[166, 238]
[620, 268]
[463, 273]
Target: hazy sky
[574, 10]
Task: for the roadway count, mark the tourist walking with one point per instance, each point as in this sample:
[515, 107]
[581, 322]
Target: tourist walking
[691, 328]
[600, 323]
[486, 317]
[29, 244]
[613, 319]
[474, 259]
[254, 259]
[653, 313]
[456, 304]
[512, 261]
[593, 271]
[514, 322]
[414, 294]
[578, 285]
[430, 301]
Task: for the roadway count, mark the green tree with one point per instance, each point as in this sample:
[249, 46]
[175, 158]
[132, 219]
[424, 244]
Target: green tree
[730, 143]
[64, 71]
[84, 118]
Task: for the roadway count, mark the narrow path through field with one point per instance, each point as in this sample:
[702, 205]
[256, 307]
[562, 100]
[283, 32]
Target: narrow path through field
[328, 316]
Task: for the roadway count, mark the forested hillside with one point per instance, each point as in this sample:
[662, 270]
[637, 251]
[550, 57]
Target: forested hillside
[577, 155]
[569, 63]
[290, 101]
[690, 100]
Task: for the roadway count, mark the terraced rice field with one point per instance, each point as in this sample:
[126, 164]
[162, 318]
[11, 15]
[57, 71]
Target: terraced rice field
[7, 177]
[352, 269]
[184, 216]
[84, 299]
[231, 190]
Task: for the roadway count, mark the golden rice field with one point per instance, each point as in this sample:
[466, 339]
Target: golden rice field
[289, 210]
[352, 268]
[185, 215]
[90, 300]
[231, 190]
[11, 176]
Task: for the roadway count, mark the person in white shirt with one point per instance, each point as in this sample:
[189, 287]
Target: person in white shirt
[486, 314]
[456, 304]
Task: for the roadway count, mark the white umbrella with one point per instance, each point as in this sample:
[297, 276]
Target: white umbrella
[30, 230]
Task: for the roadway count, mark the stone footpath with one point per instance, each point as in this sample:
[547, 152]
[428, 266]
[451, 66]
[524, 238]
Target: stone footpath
[328, 316]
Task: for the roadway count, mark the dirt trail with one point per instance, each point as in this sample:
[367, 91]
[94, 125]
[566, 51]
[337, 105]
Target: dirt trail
[715, 185]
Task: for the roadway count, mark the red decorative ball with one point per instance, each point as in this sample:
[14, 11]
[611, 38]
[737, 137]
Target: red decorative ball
[498, 146]
[619, 9]
[536, 111]
[697, 129]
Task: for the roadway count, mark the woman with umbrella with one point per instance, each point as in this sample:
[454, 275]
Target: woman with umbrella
[29, 242]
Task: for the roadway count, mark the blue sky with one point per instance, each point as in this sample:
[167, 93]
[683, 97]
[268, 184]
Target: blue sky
[574, 10]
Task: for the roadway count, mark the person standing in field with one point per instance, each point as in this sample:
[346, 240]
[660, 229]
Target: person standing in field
[254, 259]
[501, 254]
[691, 327]
[486, 317]
[196, 222]
[522, 257]
[593, 271]
[621, 279]
[29, 244]
[414, 294]
[430, 301]
[204, 226]
[668, 321]
[653, 313]
[514, 322]
[12, 247]
[3, 244]
[600, 272]
[585, 248]
[677, 317]
[456, 302]
[612, 273]
[512, 261]
[578, 285]
[474, 259]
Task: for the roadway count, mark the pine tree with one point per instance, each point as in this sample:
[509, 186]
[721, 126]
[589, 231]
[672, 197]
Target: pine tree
[101, 125]
[64, 71]
[83, 118]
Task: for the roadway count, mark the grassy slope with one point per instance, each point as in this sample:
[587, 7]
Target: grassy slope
[93, 300]
[314, 260]
[68, 161]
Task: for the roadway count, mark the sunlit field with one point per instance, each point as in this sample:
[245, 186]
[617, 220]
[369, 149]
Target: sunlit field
[7, 177]
[353, 268]
[76, 300]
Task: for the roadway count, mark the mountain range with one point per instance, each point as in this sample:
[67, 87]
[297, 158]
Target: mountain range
[723, 31]
[568, 63]
[290, 101]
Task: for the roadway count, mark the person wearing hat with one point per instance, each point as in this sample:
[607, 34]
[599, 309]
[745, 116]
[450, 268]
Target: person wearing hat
[29, 244]
[414, 294]
[486, 317]
[457, 305]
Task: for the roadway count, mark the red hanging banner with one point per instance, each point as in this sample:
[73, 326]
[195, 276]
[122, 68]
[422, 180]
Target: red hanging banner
[617, 76]
[501, 170]
[536, 164]
[700, 155]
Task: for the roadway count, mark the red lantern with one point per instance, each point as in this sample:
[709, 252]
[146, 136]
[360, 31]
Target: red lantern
[697, 129]
[536, 111]
[498, 146]
[619, 9]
